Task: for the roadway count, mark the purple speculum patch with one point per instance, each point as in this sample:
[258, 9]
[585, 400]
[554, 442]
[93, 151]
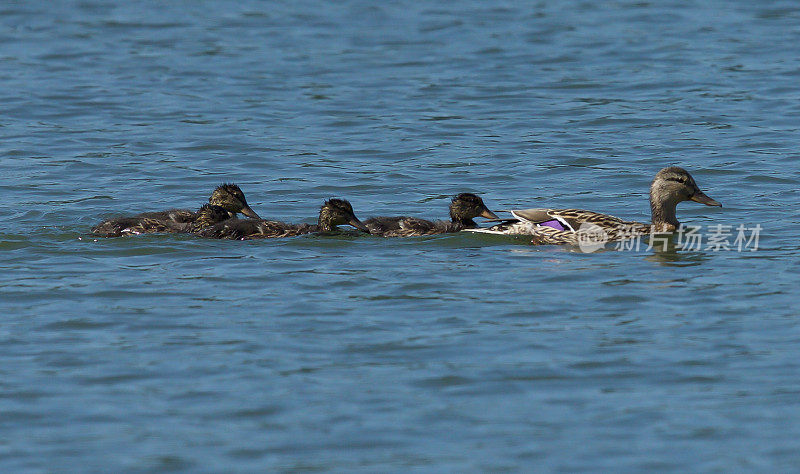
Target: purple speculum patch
[555, 224]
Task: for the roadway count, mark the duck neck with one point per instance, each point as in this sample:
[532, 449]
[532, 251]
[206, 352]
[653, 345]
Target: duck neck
[460, 218]
[464, 222]
[662, 209]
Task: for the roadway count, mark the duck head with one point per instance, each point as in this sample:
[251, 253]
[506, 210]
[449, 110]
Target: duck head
[466, 206]
[338, 212]
[671, 186]
[208, 215]
[231, 198]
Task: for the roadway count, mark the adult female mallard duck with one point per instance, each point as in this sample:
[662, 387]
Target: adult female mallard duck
[563, 226]
[226, 197]
[463, 208]
[333, 212]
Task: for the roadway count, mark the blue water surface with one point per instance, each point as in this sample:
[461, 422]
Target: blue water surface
[454, 353]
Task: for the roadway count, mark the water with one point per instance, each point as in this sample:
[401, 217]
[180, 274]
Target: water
[448, 353]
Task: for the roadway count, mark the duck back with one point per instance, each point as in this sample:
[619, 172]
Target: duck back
[383, 224]
[403, 226]
[248, 229]
[139, 224]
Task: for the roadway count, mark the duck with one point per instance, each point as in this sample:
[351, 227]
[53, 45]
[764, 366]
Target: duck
[207, 216]
[671, 186]
[227, 198]
[464, 208]
[334, 212]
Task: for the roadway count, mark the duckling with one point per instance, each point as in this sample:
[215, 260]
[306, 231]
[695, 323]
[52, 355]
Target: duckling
[226, 196]
[670, 186]
[463, 208]
[207, 216]
[333, 212]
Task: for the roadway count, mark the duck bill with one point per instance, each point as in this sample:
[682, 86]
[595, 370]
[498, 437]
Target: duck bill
[358, 224]
[487, 214]
[701, 197]
[249, 212]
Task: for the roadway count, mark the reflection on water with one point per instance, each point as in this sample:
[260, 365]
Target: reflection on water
[676, 257]
[670, 252]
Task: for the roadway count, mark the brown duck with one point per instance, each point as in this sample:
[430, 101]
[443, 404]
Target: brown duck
[333, 212]
[670, 187]
[226, 200]
[463, 209]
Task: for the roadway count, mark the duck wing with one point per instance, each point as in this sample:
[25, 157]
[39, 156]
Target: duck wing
[172, 220]
[404, 226]
[248, 229]
[527, 222]
[573, 218]
[274, 229]
[548, 222]
[183, 216]
[382, 224]
[412, 226]
[232, 229]
[136, 225]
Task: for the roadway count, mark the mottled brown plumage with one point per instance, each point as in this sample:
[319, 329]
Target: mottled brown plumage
[333, 212]
[463, 209]
[670, 186]
[227, 197]
[207, 216]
